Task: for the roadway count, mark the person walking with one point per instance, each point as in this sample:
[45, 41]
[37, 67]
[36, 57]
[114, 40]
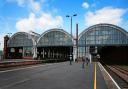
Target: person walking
[83, 62]
[87, 61]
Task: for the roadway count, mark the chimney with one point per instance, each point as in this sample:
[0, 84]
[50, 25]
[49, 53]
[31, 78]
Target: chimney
[6, 38]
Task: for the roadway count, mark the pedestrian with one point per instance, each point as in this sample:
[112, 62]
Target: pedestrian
[70, 60]
[87, 61]
[83, 62]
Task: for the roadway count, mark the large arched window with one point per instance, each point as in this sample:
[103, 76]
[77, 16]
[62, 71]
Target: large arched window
[103, 34]
[20, 39]
[55, 37]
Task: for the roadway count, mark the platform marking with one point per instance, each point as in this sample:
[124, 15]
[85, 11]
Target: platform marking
[109, 76]
[95, 75]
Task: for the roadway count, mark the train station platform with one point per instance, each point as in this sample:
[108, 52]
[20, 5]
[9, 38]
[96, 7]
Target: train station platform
[56, 76]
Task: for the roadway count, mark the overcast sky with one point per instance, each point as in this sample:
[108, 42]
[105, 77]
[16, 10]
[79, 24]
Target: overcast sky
[41, 15]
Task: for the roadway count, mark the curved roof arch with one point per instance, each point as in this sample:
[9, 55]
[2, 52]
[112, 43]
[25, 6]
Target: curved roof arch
[106, 34]
[55, 37]
[20, 39]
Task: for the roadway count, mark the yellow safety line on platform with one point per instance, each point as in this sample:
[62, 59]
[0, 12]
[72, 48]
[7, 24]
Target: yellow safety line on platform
[95, 75]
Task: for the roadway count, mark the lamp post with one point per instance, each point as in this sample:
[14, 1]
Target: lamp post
[68, 16]
[71, 16]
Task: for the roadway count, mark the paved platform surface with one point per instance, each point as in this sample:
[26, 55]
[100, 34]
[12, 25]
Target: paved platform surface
[53, 76]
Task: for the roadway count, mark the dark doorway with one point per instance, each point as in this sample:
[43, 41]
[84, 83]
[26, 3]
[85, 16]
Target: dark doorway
[114, 54]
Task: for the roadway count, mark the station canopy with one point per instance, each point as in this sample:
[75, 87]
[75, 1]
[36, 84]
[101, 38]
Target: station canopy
[55, 37]
[103, 34]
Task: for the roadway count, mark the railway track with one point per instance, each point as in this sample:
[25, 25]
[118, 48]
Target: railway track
[119, 75]
[121, 70]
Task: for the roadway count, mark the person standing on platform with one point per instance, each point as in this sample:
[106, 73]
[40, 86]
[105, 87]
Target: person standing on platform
[70, 60]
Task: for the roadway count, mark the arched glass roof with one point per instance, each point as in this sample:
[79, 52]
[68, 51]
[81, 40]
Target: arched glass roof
[55, 37]
[103, 34]
[20, 39]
